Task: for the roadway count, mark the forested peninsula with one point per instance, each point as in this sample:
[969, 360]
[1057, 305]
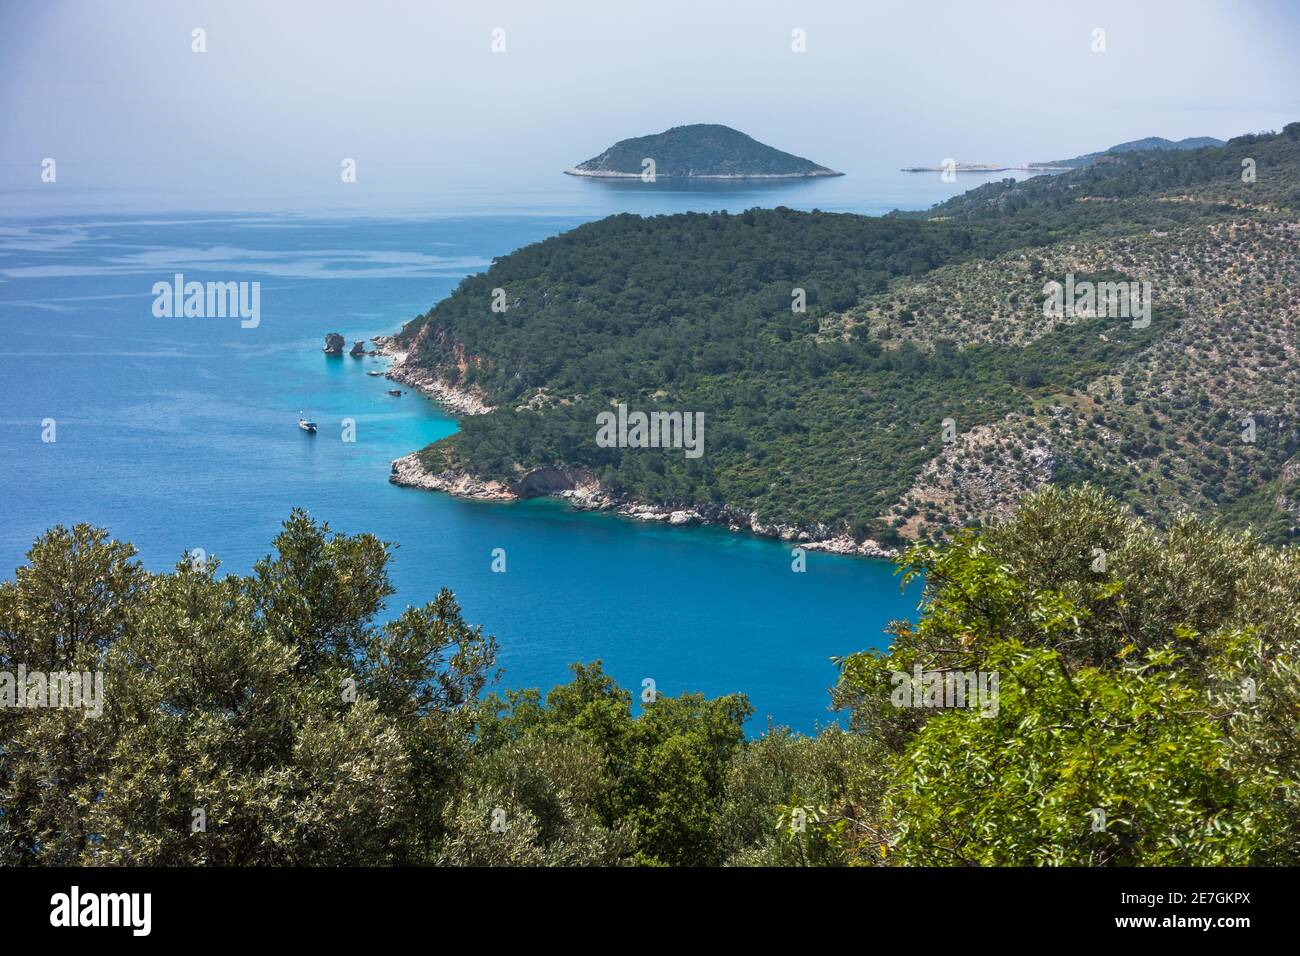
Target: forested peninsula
[870, 381]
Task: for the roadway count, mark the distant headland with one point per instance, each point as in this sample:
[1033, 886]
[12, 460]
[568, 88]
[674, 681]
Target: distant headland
[985, 168]
[699, 151]
[1087, 159]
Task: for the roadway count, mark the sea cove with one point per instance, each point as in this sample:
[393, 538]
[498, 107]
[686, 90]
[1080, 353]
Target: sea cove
[180, 432]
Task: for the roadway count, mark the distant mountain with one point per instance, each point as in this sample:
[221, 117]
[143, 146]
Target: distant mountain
[699, 151]
[1138, 145]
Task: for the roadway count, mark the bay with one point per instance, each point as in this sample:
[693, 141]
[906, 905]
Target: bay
[180, 433]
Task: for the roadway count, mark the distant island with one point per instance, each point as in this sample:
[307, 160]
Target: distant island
[698, 151]
[1087, 159]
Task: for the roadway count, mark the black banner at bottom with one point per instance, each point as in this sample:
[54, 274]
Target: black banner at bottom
[336, 906]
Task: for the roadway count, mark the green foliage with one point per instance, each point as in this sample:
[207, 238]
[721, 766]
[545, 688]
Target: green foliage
[1083, 768]
[73, 601]
[1145, 712]
[228, 696]
[793, 800]
[546, 789]
[1158, 689]
[661, 772]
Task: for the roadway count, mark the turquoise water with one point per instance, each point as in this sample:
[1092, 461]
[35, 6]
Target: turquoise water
[181, 433]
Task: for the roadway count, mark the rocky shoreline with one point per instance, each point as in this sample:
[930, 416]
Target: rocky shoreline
[578, 487]
[582, 490]
[462, 401]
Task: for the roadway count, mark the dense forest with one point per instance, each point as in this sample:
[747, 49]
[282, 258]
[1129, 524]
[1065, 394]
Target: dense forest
[827, 351]
[1144, 711]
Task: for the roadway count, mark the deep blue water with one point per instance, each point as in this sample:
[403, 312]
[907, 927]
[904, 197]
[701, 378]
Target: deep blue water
[181, 433]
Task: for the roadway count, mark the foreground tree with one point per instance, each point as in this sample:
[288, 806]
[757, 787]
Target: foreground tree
[72, 602]
[246, 720]
[1136, 700]
[1146, 703]
[654, 780]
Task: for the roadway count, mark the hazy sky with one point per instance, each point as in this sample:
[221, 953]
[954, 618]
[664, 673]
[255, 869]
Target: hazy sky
[413, 91]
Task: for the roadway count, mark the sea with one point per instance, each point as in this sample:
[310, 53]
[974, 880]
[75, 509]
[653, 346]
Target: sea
[180, 433]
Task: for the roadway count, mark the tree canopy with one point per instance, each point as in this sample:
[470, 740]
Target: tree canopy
[1143, 712]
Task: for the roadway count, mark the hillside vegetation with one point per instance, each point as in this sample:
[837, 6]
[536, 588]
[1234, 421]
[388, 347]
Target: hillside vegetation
[834, 417]
[1136, 146]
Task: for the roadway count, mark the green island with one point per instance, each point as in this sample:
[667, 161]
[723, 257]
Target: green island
[698, 151]
[922, 388]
